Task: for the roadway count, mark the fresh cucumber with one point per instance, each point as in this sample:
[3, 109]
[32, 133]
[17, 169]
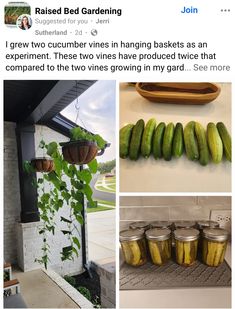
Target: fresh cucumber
[178, 141]
[158, 140]
[202, 144]
[146, 145]
[190, 141]
[215, 143]
[124, 142]
[167, 141]
[226, 140]
[136, 137]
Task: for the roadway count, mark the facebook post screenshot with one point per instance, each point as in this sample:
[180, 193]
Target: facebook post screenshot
[116, 159]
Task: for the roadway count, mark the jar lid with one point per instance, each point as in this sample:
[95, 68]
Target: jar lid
[185, 224]
[129, 235]
[207, 223]
[186, 234]
[216, 234]
[139, 225]
[158, 234]
[161, 224]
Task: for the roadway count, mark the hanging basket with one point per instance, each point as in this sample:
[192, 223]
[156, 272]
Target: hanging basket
[43, 165]
[79, 152]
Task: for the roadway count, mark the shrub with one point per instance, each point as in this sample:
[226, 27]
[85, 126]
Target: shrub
[70, 280]
[85, 292]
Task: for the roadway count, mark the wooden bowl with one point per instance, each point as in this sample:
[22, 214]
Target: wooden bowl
[179, 93]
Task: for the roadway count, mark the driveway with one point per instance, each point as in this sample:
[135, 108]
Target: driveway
[101, 234]
[105, 196]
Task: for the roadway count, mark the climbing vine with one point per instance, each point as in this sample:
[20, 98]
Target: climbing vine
[66, 184]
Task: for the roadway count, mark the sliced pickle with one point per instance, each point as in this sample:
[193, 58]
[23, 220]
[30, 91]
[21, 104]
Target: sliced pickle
[213, 252]
[135, 252]
[155, 253]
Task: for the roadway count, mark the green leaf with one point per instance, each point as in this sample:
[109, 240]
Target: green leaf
[85, 175]
[100, 141]
[27, 167]
[75, 251]
[58, 166]
[42, 144]
[65, 220]
[40, 180]
[87, 191]
[77, 242]
[93, 166]
[79, 218]
[66, 196]
[52, 148]
[77, 207]
[52, 177]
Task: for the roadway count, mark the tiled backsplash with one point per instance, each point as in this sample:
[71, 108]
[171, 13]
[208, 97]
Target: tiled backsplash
[169, 208]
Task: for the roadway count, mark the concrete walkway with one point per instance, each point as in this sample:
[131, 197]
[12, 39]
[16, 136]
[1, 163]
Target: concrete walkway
[39, 291]
[101, 235]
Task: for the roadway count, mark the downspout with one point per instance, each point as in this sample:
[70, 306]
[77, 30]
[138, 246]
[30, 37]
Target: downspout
[83, 232]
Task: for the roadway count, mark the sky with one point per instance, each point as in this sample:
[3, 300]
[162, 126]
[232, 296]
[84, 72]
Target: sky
[96, 113]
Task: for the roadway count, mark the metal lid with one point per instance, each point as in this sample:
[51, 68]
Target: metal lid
[202, 224]
[139, 225]
[216, 234]
[129, 235]
[161, 224]
[186, 234]
[184, 224]
[158, 234]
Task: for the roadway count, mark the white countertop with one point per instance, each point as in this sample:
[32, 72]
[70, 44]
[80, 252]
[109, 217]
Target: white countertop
[177, 175]
[179, 298]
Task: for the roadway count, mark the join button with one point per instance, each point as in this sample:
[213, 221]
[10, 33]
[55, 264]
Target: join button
[189, 10]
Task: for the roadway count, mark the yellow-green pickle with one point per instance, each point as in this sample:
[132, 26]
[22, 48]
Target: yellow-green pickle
[159, 242]
[214, 246]
[186, 243]
[133, 247]
[139, 225]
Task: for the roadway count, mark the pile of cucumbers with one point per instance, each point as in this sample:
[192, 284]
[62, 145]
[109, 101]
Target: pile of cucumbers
[167, 141]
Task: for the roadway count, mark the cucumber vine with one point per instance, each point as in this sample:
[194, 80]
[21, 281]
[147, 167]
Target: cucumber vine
[67, 184]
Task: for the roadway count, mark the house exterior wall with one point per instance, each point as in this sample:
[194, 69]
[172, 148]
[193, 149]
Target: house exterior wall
[25, 235]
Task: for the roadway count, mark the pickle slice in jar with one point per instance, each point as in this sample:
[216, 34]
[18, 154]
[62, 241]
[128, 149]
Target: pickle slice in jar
[223, 254]
[187, 251]
[155, 253]
[219, 252]
[211, 253]
[128, 256]
[133, 245]
[179, 251]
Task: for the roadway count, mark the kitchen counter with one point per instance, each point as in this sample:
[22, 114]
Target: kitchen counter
[179, 298]
[177, 175]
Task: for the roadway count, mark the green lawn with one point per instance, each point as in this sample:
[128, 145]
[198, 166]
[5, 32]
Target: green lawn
[101, 188]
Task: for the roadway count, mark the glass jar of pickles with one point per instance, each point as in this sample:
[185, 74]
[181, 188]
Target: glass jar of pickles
[161, 225]
[214, 246]
[133, 247]
[159, 242]
[186, 243]
[139, 225]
